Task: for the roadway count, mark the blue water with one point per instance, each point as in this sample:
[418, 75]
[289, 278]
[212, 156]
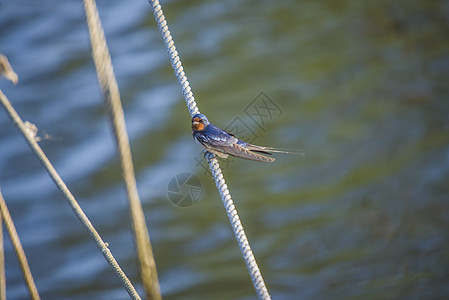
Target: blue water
[361, 87]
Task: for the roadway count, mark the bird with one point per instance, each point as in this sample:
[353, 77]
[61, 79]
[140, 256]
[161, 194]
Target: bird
[222, 143]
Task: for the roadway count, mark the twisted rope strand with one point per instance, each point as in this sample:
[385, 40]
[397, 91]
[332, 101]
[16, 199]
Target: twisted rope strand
[231, 211]
[174, 58]
[237, 227]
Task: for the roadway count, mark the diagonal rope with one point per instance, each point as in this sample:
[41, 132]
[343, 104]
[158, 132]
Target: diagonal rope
[239, 233]
[231, 211]
[112, 101]
[15, 241]
[174, 58]
[29, 136]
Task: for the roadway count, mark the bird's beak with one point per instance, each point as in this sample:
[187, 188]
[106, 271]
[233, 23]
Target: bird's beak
[195, 122]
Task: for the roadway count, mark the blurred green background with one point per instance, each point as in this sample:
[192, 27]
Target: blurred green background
[360, 86]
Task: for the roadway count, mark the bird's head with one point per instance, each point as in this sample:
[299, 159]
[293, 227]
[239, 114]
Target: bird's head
[199, 122]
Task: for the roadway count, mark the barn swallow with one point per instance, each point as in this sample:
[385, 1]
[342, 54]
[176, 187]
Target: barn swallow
[215, 140]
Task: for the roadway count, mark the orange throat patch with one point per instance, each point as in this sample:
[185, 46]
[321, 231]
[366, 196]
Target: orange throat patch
[198, 126]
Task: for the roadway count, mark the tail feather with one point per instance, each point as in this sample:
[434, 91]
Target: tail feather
[267, 150]
[239, 151]
[259, 157]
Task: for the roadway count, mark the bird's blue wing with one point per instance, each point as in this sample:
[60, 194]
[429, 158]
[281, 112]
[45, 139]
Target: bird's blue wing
[217, 140]
[215, 137]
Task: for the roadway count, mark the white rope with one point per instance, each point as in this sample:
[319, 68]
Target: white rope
[231, 211]
[239, 232]
[174, 58]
